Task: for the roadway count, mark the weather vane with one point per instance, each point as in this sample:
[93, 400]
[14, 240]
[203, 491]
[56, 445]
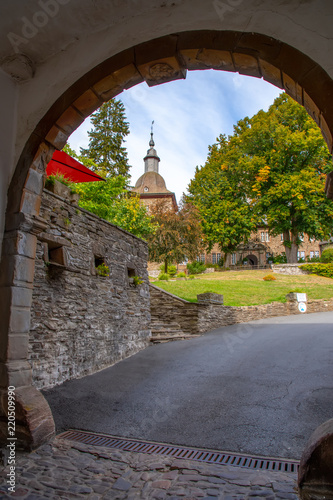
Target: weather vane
[151, 142]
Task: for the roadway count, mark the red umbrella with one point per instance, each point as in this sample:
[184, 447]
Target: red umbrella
[70, 168]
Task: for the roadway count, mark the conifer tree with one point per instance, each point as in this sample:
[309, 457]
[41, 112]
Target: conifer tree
[106, 138]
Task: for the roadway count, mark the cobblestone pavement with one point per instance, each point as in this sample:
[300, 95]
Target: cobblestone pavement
[66, 470]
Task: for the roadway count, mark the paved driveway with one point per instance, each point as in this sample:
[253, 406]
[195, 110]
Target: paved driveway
[260, 388]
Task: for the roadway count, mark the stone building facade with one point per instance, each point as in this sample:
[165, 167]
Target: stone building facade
[82, 322]
[260, 249]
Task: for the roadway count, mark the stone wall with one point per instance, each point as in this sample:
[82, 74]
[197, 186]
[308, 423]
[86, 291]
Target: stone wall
[82, 322]
[197, 318]
[289, 269]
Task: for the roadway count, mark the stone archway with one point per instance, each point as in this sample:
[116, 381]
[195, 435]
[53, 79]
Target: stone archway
[157, 61]
[252, 260]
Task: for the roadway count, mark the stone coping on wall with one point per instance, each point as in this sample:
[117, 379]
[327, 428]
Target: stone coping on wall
[171, 295]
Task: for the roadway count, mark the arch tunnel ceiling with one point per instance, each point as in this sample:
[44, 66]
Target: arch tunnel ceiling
[86, 86]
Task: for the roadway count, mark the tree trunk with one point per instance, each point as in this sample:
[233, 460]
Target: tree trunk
[166, 266]
[291, 247]
[225, 259]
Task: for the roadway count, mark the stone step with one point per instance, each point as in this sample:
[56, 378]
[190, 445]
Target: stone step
[162, 326]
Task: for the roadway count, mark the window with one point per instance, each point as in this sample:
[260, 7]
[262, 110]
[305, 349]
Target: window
[282, 239]
[267, 237]
[213, 258]
[301, 237]
[300, 255]
[54, 249]
[202, 257]
[233, 259]
[146, 189]
[56, 255]
[312, 255]
[317, 253]
[130, 272]
[218, 257]
[99, 261]
[262, 236]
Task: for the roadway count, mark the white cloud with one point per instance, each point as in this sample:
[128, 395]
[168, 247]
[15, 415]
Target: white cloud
[189, 115]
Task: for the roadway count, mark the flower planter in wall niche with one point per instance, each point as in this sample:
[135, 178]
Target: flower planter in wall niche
[135, 281]
[210, 298]
[58, 188]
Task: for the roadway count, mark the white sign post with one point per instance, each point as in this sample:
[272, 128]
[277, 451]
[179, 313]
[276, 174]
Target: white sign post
[302, 307]
[301, 299]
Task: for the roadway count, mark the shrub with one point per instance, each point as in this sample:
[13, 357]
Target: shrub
[50, 181]
[163, 277]
[215, 266]
[325, 270]
[280, 259]
[181, 275]
[327, 255]
[269, 277]
[191, 277]
[312, 259]
[103, 270]
[137, 280]
[196, 267]
[172, 270]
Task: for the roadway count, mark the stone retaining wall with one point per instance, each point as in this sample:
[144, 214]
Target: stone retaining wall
[197, 318]
[289, 269]
[82, 322]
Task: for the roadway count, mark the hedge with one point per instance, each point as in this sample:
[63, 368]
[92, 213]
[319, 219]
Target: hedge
[319, 269]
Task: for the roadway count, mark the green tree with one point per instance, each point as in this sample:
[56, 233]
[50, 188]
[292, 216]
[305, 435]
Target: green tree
[178, 235]
[272, 171]
[106, 139]
[219, 191]
[111, 200]
[287, 159]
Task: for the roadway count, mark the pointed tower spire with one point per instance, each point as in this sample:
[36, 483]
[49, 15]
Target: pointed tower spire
[151, 142]
[151, 160]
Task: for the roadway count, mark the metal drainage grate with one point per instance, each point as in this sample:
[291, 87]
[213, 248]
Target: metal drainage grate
[208, 456]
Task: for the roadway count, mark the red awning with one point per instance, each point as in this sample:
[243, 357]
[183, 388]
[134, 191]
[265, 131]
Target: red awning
[70, 168]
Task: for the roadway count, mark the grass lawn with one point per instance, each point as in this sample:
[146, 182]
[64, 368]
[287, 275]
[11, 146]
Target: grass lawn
[247, 288]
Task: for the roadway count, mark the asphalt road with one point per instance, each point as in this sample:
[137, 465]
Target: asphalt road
[259, 388]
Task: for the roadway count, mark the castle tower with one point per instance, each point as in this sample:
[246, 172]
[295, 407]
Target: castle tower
[151, 186]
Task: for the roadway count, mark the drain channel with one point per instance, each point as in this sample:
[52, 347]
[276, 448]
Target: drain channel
[207, 456]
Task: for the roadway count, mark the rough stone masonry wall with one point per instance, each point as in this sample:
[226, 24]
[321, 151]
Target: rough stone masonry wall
[82, 322]
[197, 318]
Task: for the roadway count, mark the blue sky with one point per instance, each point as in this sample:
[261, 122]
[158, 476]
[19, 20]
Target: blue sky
[189, 115]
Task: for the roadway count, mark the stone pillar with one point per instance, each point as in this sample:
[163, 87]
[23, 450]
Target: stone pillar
[34, 421]
[315, 477]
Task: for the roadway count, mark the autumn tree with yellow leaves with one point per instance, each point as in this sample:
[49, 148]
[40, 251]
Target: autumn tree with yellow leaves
[271, 170]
